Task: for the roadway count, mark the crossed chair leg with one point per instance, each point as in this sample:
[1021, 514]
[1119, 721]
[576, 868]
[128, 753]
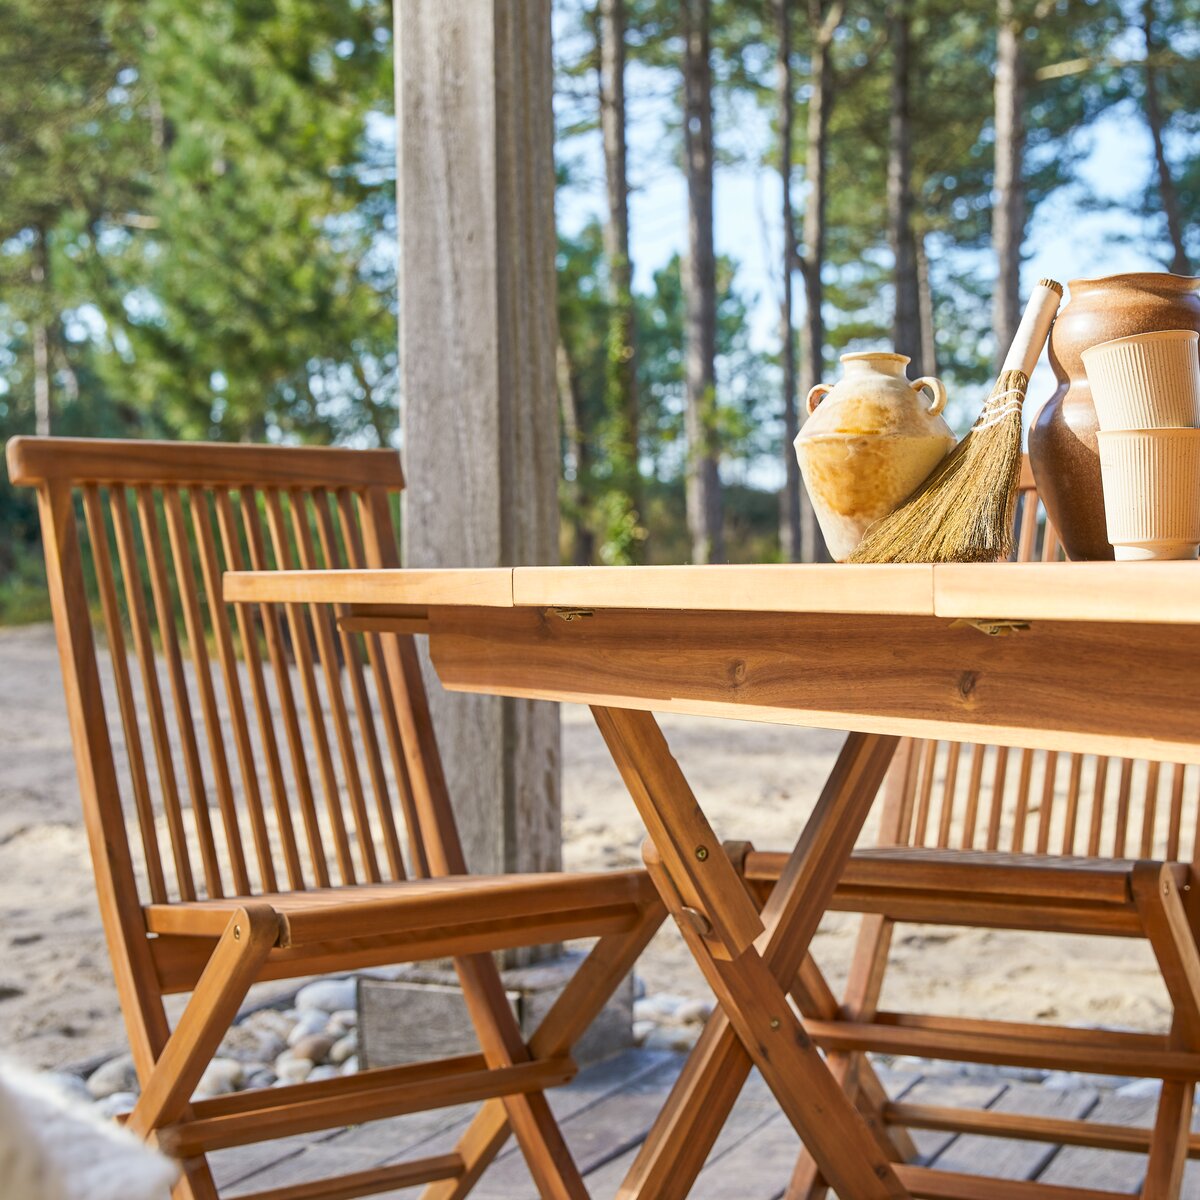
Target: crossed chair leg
[1171, 922]
[165, 1115]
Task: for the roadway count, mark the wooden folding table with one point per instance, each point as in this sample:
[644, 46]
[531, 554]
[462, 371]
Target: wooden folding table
[1098, 657]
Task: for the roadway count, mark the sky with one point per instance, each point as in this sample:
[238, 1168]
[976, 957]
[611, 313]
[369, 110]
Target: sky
[1064, 241]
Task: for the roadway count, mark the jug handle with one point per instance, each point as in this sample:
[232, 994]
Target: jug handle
[815, 396]
[937, 387]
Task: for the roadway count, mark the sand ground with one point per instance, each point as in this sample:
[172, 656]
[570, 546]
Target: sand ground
[57, 1001]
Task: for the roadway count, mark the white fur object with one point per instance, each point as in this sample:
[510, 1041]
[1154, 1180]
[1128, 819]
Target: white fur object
[54, 1148]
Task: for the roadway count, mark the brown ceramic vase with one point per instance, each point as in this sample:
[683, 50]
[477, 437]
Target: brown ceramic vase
[1062, 442]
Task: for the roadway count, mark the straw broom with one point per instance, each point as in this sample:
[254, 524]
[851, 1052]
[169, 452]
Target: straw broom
[964, 510]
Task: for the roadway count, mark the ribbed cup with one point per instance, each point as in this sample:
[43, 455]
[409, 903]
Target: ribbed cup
[1151, 491]
[1147, 381]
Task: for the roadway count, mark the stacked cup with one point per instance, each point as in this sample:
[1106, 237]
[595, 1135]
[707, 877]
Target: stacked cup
[1146, 390]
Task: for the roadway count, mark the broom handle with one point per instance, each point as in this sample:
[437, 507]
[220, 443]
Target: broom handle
[1034, 329]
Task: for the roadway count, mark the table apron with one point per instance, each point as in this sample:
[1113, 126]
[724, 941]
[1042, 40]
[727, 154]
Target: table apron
[1130, 690]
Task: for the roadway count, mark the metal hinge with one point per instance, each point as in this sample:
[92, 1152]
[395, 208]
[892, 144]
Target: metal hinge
[572, 614]
[997, 628]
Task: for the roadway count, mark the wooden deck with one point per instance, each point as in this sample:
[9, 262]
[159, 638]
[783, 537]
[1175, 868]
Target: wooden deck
[607, 1110]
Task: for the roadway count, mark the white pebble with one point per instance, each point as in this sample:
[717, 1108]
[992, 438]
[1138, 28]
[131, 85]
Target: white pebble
[221, 1076]
[323, 1072]
[293, 1070]
[270, 1020]
[642, 1030]
[343, 1048]
[116, 1075]
[694, 1012]
[116, 1103]
[347, 1017]
[328, 995]
[310, 1023]
[350, 1066]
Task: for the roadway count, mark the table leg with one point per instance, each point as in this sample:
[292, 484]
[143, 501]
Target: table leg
[749, 962]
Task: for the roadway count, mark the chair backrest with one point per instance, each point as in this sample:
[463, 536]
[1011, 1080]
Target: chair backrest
[965, 796]
[233, 749]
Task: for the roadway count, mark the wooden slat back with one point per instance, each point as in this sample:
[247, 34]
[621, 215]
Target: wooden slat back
[256, 747]
[1046, 802]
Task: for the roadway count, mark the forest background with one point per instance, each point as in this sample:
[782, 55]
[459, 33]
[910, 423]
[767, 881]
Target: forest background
[197, 227]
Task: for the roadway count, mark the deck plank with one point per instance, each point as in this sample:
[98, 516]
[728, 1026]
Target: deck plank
[1006, 1158]
[1081, 1166]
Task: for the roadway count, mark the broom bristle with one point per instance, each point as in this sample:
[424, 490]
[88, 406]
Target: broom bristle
[963, 511]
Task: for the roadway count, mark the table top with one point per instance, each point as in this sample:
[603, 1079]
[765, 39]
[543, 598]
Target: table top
[1147, 593]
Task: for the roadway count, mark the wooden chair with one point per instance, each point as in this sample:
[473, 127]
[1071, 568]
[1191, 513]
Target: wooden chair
[268, 839]
[1030, 840]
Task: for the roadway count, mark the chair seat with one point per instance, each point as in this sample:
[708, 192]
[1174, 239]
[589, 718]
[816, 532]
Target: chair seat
[369, 910]
[1071, 894]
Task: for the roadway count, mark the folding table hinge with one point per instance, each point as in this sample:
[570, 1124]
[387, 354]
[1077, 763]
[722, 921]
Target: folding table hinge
[997, 628]
[573, 614]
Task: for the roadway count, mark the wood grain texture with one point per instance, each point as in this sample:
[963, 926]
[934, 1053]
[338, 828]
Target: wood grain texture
[777, 587]
[478, 333]
[411, 587]
[1050, 591]
[1132, 593]
[1129, 689]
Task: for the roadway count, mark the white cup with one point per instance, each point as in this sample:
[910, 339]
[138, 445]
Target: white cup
[1147, 381]
[1151, 492]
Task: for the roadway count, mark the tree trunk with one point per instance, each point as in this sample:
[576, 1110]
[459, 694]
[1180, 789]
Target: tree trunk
[1008, 211]
[929, 362]
[1180, 264]
[42, 398]
[906, 322]
[822, 25]
[621, 363]
[704, 510]
[791, 534]
[583, 541]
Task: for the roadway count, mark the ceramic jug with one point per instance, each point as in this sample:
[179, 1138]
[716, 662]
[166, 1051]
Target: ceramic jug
[1063, 451]
[867, 444]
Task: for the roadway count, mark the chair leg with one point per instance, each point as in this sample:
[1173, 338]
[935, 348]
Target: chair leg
[1169, 1141]
[232, 968]
[569, 1017]
[196, 1181]
[537, 1132]
[863, 987]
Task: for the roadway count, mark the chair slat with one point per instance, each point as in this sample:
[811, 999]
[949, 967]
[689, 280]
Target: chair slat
[1099, 795]
[947, 815]
[302, 648]
[1123, 794]
[114, 633]
[327, 534]
[160, 591]
[1046, 815]
[1150, 808]
[1175, 821]
[1027, 539]
[928, 763]
[210, 571]
[1071, 820]
[912, 773]
[999, 786]
[139, 620]
[321, 620]
[189, 597]
[971, 815]
[1021, 814]
[348, 521]
[273, 633]
[248, 636]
